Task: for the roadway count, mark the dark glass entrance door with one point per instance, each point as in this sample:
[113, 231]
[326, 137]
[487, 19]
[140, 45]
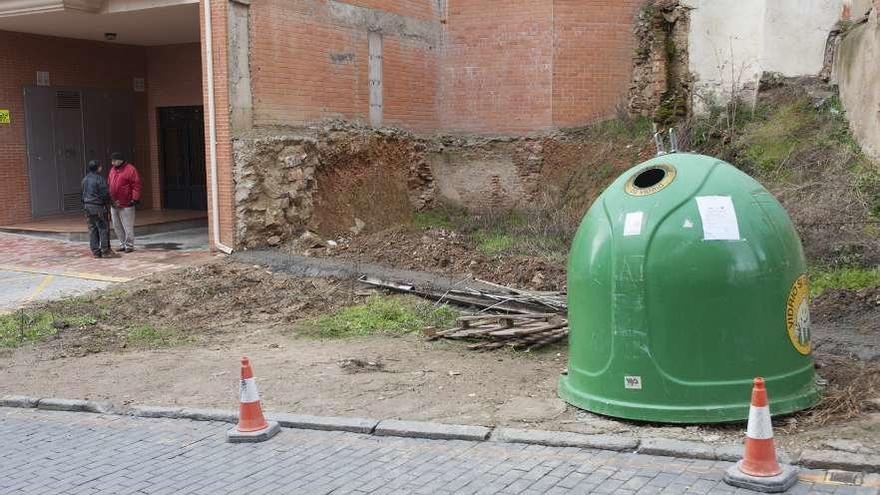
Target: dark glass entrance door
[182, 156]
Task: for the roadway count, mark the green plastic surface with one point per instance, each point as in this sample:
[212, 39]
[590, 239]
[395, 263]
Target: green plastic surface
[668, 325]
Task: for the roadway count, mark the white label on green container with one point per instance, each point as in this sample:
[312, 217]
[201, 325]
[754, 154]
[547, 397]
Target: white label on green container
[719, 218]
[632, 382]
[632, 225]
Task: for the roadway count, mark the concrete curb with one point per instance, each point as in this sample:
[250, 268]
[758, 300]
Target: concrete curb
[815, 459]
[618, 443]
[697, 450]
[433, 431]
[325, 423]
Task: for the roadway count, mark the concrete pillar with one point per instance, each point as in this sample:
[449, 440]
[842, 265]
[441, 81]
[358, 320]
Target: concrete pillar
[240, 94]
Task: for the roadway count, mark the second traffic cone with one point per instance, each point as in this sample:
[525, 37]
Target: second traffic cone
[252, 425]
[760, 454]
[759, 470]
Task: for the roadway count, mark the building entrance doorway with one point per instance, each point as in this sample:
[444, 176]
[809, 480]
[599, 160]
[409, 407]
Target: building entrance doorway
[182, 156]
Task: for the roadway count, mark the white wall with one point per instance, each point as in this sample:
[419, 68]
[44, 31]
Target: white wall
[859, 80]
[724, 46]
[795, 32]
[732, 42]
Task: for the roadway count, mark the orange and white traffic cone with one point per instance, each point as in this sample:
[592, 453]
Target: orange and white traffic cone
[759, 470]
[252, 425]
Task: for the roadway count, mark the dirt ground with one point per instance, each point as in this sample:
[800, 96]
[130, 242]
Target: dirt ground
[227, 309]
[448, 252]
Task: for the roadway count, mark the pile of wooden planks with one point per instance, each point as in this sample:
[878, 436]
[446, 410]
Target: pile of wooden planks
[519, 331]
[508, 317]
[501, 299]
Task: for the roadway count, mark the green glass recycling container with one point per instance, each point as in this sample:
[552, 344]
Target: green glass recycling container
[686, 280]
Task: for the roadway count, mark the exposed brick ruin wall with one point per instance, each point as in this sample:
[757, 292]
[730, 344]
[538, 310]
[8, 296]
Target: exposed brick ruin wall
[661, 83]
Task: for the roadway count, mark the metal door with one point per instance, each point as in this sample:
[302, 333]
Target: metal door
[69, 159]
[95, 128]
[42, 173]
[182, 153]
[67, 127]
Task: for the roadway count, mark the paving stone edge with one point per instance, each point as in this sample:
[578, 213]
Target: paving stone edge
[810, 458]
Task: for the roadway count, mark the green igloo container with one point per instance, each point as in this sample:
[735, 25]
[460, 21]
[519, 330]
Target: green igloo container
[686, 280]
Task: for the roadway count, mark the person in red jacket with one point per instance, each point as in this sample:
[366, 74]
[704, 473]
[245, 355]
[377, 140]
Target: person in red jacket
[125, 194]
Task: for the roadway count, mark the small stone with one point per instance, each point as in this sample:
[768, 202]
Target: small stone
[872, 405]
[358, 226]
[310, 239]
[273, 241]
[538, 279]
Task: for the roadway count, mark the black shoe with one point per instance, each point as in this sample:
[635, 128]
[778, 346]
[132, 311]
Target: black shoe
[97, 256]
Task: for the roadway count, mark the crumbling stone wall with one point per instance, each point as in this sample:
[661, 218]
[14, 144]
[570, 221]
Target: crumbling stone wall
[274, 188]
[662, 85]
[326, 179]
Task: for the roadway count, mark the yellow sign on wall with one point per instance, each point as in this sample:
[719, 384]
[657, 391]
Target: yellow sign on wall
[4, 117]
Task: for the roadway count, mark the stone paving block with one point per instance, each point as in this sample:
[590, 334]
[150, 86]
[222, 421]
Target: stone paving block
[155, 411]
[435, 431]
[222, 415]
[18, 401]
[676, 448]
[846, 461]
[52, 404]
[564, 439]
[326, 423]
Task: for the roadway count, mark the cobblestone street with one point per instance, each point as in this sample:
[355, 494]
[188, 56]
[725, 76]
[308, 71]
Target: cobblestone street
[77, 453]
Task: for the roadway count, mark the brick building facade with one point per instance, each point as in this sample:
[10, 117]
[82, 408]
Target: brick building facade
[425, 66]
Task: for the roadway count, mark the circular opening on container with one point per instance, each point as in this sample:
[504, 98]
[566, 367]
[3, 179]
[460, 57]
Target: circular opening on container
[648, 178]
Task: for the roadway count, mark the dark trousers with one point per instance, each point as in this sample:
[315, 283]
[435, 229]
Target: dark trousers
[99, 229]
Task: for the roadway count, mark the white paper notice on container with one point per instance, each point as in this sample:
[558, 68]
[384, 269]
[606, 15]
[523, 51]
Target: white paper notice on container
[719, 218]
[632, 225]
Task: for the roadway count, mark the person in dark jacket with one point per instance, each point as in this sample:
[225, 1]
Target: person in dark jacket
[96, 199]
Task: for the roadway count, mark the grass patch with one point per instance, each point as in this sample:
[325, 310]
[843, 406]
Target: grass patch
[494, 243]
[822, 280]
[154, 337]
[380, 316]
[35, 326]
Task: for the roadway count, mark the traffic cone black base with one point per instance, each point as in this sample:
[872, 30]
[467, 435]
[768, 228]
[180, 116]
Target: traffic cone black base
[766, 484]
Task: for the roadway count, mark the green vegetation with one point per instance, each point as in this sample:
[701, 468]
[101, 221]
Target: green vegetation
[154, 337]
[822, 280]
[380, 315]
[494, 243]
[34, 326]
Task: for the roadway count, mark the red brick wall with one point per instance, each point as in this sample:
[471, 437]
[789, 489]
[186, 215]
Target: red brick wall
[223, 131]
[306, 67]
[174, 78]
[501, 66]
[592, 58]
[70, 63]
[496, 73]
[515, 66]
